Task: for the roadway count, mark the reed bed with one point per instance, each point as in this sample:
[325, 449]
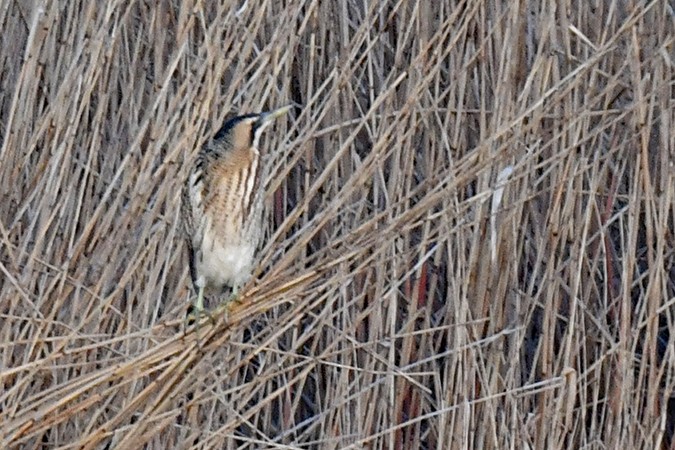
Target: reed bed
[469, 240]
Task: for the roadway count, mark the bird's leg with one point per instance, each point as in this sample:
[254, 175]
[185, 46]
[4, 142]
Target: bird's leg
[198, 309]
[234, 295]
[199, 302]
[232, 298]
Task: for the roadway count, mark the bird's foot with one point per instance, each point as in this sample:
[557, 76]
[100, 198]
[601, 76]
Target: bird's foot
[194, 315]
[231, 300]
[196, 311]
[234, 297]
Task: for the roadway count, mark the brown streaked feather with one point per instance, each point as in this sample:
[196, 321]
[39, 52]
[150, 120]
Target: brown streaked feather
[187, 216]
[251, 196]
[226, 176]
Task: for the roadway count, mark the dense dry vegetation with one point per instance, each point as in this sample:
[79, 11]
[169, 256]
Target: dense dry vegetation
[408, 296]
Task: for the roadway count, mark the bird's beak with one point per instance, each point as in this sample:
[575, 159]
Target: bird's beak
[267, 117]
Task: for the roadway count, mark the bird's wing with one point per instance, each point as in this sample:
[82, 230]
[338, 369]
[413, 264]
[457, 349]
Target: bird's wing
[191, 211]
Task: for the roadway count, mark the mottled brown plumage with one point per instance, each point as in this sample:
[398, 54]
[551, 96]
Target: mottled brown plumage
[222, 204]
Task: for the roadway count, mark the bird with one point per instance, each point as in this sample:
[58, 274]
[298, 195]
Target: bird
[222, 207]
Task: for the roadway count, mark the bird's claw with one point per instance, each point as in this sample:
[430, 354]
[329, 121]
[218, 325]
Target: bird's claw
[233, 299]
[194, 315]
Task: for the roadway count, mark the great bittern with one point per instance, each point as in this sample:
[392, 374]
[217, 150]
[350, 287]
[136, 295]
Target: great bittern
[222, 206]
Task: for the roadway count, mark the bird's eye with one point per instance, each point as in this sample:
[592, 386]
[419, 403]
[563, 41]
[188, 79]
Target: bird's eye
[257, 127]
[256, 124]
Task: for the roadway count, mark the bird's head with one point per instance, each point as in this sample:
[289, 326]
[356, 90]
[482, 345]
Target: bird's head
[245, 131]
